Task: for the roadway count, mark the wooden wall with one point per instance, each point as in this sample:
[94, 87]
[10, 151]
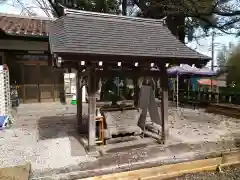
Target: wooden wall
[37, 81]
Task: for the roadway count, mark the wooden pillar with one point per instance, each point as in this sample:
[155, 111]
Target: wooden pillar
[91, 110]
[38, 82]
[136, 91]
[80, 127]
[23, 83]
[164, 103]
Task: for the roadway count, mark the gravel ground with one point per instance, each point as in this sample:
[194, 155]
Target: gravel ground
[43, 134]
[196, 126]
[227, 174]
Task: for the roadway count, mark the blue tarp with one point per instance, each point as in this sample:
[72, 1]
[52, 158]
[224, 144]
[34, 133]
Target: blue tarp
[3, 122]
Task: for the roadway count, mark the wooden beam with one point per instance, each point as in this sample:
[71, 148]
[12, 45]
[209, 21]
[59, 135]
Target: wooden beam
[20, 172]
[129, 59]
[127, 73]
[84, 74]
[175, 170]
[165, 171]
[69, 64]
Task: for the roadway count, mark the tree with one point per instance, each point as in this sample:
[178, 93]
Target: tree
[30, 8]
[44, 6]
[105, 6]
[184, 16]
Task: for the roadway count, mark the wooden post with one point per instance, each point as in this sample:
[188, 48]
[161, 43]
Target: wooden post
[80, 124]
[91, 110]
[38, 68]
[136, 91]
[164, 103]
[23, 83]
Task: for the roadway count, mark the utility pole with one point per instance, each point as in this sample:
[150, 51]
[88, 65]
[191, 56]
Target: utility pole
[213, 38]
[212, 63]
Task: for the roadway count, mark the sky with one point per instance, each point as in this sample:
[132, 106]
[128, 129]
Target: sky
[16, 7]
[203, 45]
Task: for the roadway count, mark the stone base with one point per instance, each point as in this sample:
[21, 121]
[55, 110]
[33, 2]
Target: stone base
[92, 151]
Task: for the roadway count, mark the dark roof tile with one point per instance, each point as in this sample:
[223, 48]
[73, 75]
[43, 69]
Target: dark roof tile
[96, 33]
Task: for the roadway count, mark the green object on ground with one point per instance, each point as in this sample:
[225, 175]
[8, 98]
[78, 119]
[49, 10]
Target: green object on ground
[74, 102]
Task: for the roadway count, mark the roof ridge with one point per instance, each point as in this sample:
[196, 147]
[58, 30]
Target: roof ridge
[24, 26]
[72, 12]
[27, 17]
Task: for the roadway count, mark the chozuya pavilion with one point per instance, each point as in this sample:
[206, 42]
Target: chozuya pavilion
[103, 45]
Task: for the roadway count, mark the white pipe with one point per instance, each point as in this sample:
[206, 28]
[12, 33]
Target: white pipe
[177, 90]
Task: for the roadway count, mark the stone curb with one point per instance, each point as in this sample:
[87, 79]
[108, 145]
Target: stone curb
[136, 159]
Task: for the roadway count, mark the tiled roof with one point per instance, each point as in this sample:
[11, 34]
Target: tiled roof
[24, 26]
[96, 33]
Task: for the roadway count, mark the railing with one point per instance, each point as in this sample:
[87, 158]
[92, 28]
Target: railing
[205, 97]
